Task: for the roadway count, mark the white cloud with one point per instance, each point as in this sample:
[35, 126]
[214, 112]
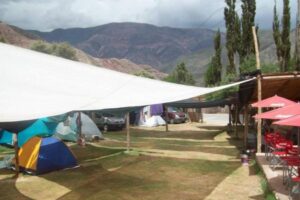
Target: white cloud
[48, 15]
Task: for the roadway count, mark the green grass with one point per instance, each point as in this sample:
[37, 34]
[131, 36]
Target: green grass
[108, 172]
[4, 149]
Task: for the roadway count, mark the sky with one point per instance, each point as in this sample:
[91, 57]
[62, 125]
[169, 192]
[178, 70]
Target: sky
[46, 15]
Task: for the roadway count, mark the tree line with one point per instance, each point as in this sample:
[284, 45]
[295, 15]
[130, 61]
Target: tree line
[240, 43]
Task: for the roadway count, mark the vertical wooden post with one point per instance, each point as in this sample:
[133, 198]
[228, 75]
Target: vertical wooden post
[246, 126]
[81, 140]
[258, 88]
[128, 132]
[167, 118]
[93, 116]
[236, 121]
[229, 118]
[15, 140]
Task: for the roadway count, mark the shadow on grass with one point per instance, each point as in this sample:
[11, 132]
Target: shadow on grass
[8, 188]
[135, 177]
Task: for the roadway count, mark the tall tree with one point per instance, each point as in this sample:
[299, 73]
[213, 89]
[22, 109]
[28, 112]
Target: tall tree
[248, 21]
[285, 35]
[297, 49]
[181, 75]
[277, 35]
[214, 71]
[231, 27]
[282, 37]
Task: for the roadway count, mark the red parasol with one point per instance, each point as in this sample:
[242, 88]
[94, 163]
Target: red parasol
[292, 121]
[274, 102]
[281, 113]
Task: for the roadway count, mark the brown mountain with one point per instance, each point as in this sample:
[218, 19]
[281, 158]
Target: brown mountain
[140, 43]
[16, 36]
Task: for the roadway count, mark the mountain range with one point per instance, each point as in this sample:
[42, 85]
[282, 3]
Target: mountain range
[19, 37]
[135, 47]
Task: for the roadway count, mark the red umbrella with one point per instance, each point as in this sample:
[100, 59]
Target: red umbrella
[281, 113]
[292, 121]
[274, 102]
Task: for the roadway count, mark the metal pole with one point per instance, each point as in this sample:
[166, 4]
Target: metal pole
[15, 139]
[127, 132]
[258, 88]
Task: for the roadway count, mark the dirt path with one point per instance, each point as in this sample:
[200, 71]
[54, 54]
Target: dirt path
[239, 185]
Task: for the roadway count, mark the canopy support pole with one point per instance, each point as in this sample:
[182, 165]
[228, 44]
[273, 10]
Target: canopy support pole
[229, 118]
[258, 88]
[246, 125]
[15, 139]
[236, 121]
[167, 118]
[81, 141]
[128, 131]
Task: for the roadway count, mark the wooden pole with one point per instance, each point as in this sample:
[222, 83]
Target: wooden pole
[167, 118]
[229, 118]
[236, 121]
[246, 125]
[15, 139]
[128, 131]
[81, 141]
[258, 88]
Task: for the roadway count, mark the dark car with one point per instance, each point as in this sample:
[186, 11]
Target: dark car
[175, 116]
[107, 121]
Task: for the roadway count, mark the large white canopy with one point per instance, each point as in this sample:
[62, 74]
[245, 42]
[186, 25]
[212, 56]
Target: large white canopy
[35, 85]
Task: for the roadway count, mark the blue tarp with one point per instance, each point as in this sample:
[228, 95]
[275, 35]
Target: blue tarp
[38, 128]
[6, 137]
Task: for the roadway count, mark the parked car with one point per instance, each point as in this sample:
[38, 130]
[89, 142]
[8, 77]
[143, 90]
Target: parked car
[175, 116]
[107, 121]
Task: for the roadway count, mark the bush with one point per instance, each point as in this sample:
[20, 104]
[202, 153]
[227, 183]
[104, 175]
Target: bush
[144, 74]
[63, 50]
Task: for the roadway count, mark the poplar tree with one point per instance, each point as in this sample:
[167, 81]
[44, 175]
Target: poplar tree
[282, 38]
[285, 35]
[214, 71]
[217, 57]
[248, 21]
[230, 22]
[277, 35]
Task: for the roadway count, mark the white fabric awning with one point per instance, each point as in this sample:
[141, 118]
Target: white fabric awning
[35, 85]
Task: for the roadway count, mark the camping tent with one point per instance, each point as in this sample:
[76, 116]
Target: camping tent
[65, 132]
[68, 130]
[35, 85]
[40, 155]
[38, 128]
[150, 116]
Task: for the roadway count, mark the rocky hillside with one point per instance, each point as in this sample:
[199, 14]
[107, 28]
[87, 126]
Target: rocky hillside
[16, 36]
[159, 47]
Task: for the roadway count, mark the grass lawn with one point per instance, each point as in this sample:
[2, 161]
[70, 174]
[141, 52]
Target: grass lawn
[106, 172]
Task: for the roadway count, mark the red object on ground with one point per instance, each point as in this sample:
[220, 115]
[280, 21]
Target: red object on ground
[273, 102]
[281, 113]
